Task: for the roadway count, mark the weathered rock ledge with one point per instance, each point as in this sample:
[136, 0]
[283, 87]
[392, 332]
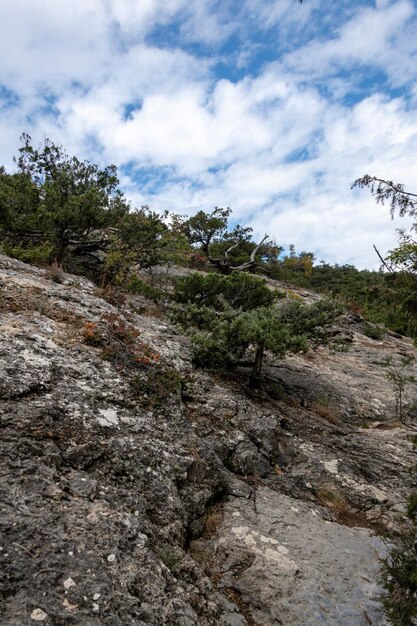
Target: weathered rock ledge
[212, 507]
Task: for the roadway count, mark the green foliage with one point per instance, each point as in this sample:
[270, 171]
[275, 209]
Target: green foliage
[216, 291]
[402, 261]
[399, 573]
[170, 558]
[372, 331]
[231, 315]
[56, 208]
[203, 228]
[57, 201]
[142, 240]
[398, 375]
[157, 386]
[289, 328]
[405, 255]
[383, 298]
[139, 287]
[384, 191]
[294, 268]
[117, 265]
[37, 254]
[145, 236]
[227, 250]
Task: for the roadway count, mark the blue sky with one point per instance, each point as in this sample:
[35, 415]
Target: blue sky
[267, 106]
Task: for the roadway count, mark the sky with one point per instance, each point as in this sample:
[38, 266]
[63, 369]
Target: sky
[270, 107]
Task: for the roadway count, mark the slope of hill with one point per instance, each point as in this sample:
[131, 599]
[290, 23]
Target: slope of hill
[161, 494]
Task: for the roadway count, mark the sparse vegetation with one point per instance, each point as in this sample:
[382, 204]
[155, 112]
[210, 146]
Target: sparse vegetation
[399, 575]
[170, 558]
[212, 521]
[55, 273]
[327, 409]
[119, 342]
[157, 386]
[334, 500]
[232, 315]
[372, 331]
[398, 375]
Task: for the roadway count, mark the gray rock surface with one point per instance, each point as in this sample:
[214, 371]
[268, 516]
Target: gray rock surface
[118, 507]
[291, 567]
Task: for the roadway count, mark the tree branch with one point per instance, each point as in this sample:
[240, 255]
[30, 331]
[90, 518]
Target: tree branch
[226, 254]
[224, 265]
[386, 190]
[383, 260]
[251, 263]
[252, 256]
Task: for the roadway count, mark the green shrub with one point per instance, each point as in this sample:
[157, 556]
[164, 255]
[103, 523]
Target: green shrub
[399, 573]
[139, 287]
[222, 339]
[157, 385]
[237, 290]
[170, 558]
[372, 331]
[40, 254]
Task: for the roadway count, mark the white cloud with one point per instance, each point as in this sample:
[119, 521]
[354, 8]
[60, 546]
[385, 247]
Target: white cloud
[275, 145]
[373, 36]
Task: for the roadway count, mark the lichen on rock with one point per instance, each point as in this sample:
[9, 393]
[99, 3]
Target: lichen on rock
[213, 505]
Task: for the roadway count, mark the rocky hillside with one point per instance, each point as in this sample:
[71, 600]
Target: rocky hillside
[156, 494]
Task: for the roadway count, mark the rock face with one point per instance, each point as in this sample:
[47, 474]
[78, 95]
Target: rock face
[294, 568]
[159, 494]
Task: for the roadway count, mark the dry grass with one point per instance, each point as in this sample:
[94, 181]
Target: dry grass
[332, 499]
[15, 299]
[55, 273]
[326, 410]
[112, 295]
[335, 501]
[212, 522]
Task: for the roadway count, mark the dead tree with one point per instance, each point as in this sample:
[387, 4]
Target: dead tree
[225, 266]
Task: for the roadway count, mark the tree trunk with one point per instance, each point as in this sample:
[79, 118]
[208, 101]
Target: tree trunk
[255, 377]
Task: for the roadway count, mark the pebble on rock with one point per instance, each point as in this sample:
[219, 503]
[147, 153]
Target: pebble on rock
[38, 615]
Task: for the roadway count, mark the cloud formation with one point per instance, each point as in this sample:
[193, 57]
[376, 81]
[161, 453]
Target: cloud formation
[270, 107]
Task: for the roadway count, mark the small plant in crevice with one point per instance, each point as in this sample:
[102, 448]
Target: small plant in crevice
[91, 334]
[324, 407]
[119, 342]
[170, 558]
[399, 376]
[334, 500]
[157, 385]
[399, 569]
[212, 521]
[55, 273]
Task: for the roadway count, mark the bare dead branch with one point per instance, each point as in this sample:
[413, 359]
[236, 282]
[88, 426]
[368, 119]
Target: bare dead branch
[383, 260]
[224, 264]
[255, 251]
[226, 254]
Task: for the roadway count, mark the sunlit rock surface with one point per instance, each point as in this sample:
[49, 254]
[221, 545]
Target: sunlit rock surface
[214, 506]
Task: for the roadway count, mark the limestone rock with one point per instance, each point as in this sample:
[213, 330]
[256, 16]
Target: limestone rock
[220, 505]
